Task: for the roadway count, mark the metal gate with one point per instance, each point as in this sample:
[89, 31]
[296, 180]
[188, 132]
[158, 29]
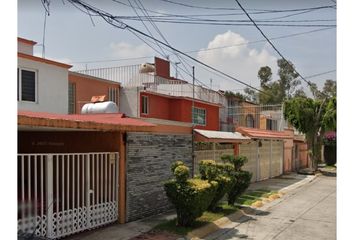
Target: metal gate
[62, 194]
[265, 159]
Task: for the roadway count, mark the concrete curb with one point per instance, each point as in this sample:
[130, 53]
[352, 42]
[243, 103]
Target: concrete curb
[201, 232]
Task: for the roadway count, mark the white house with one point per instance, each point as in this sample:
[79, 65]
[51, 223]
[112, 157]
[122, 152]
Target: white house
[42, 84]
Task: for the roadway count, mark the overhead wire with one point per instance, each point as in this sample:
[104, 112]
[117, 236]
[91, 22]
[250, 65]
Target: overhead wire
[214, 48]
[232, 9]
[268, 40]
[163, 52]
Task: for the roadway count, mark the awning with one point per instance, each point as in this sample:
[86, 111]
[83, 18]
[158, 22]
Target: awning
[96, 122]
[220, 137]
[263, 134]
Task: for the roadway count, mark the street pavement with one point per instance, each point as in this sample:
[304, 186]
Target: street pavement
[308, 212]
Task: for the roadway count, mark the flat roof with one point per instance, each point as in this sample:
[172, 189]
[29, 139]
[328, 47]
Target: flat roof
[181, 97]
[219, 136]
[98, 122]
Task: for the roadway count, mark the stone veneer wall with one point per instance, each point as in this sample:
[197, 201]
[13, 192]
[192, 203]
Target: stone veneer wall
[149, 157]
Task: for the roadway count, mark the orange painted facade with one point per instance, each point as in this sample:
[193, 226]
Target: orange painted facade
[179, 109]
[88, 86]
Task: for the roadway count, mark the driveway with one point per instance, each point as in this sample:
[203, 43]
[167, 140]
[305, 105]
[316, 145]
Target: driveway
[308, 212]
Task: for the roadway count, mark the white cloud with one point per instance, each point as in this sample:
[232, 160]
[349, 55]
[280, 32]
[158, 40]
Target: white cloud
[242, 62]
[127, 50]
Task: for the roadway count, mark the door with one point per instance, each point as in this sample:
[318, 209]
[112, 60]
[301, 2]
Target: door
[62, 194]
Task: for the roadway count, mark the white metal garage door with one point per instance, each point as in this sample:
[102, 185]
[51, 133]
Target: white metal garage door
[61, 194]
[277, 158]
[250, 151]
[265, 160]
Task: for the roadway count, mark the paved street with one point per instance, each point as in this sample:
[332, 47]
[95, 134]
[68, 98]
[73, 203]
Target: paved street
[308, 212]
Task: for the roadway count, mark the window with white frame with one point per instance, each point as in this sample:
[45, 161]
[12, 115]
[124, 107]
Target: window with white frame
[145, 104]
[199, 116]
[26, 85]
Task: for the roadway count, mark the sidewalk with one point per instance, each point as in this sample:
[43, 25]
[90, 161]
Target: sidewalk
[130, 230]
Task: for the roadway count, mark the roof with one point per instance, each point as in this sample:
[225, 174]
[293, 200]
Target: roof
[43, 60]
[26, 41]
[219, 136]
[263, 134]
[102, 122]
[181, 97]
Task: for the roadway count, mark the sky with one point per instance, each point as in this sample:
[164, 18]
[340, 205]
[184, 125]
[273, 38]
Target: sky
[73, 37]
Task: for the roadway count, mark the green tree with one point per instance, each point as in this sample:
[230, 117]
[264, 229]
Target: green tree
[330, 117]
[275, 92]
[307, 116]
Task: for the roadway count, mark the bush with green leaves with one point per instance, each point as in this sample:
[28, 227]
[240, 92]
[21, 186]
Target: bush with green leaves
[211, 171]
[241, 179]
[191, 197]
[242, 182]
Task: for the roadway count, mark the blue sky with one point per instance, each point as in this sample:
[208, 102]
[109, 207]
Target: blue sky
[71, 37]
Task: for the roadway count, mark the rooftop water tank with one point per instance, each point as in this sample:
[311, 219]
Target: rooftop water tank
[147, 68]
[99, 107]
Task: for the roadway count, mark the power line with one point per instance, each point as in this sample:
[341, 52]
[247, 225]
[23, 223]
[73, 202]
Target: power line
[280, 54]
[212, 49]
[228, 23]
[258, 10]
[119, 24]
[163, 53]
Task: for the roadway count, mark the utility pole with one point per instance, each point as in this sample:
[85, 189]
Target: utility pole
[193, 156]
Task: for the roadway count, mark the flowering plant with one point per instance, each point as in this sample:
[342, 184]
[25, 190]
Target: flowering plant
[330, 139]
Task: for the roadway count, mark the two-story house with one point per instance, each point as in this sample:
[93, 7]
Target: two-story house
[148, 91]
[36, 76]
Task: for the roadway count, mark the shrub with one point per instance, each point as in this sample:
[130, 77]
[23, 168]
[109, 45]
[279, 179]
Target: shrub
[176, 164]
[211, 171]
[207, 169]
[181, 173]
[225, 184]
[242, 181]
[190, 198]
[237, 161]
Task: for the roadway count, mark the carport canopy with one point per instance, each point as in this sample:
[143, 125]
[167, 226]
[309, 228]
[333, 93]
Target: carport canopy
[219, 136]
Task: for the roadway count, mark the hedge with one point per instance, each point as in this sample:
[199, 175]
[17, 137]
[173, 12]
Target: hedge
[191, 197]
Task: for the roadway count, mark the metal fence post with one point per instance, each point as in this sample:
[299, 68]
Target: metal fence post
[49, 202]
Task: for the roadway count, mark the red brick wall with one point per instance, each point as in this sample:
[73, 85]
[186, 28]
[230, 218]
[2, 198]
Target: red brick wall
[163, 107]
[87, 87]
[162, 67]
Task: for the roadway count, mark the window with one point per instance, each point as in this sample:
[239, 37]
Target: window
[113, 95]
[26, 85]
[199, 116]
[271, 124]
[72, 98]
[249, 121]
[145, 105]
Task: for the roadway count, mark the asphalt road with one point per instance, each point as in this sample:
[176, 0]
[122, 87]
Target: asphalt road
[308, 212]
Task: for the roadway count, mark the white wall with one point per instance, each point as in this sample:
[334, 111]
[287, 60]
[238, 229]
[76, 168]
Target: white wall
[129, 102]
[24, 48]
[52, 88]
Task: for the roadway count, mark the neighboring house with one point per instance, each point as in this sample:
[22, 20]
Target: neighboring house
[36, 77]
[82, 87]
[148, 91]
